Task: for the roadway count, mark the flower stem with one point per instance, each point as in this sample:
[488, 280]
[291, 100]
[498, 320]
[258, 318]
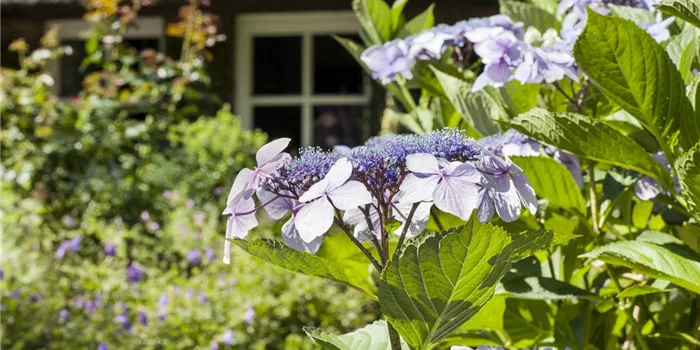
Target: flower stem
[437, 220]
[406, 224]
[594, 198]
[339, 221]
[394, 337]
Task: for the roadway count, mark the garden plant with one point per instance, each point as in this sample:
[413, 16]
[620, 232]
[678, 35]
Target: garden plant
[549, 194]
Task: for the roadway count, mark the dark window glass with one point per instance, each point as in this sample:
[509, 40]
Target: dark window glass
[277, 65]
[335, 70]
[280, 121]
[72, 74]
[8, 59]
[340, 125]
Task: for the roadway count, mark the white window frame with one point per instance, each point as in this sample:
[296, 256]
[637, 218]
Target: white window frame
[305, 25]
[73, 29]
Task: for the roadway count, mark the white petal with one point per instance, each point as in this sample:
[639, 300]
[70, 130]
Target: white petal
[227, 252]
[419, 220]
[269, 151]
[350, 195]
[314, 219]
[271, 166]
[525, 192]
[457, 196]
[338, 174]
[415, 188]
[240, 184]
[279, 205]
[466, 171]
[291, 236]
[485, 206]
[423, 163]
[505, 197]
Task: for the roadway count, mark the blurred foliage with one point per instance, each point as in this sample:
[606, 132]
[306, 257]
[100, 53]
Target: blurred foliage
[137, 161]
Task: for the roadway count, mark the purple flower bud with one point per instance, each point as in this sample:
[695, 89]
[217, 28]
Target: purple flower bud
[249, 316]
[2, 273]
[74, 244]
[214, 345]
[134, 273]
[110, 249]
[153, 226]
[209, 252]
[123, 320]
[218, 191]
[63, 315]
[143, 318]
[203, 297]
[145, 216]
[194, 256]
[16, 294]
[102, 346]
[227, 337]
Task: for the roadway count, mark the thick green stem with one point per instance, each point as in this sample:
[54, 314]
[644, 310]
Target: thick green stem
[394, 337]
[594, 198]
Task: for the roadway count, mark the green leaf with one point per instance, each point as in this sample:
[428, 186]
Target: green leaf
[634, 71]
[477, 108]
[694, 94]
[528, 243]
[591, 139]
[397, 18]
[279, 254]
[439, 280]
[688, 170]
[682, 49]
[425, 20]
[547, 5]
[341, 252]
[636, 291]
[372, 337]
[657, 255]
[375, 20]
[638, 15]
[553, 182]
[529, 14]
[541, 288]
[518, 98]
[687, 10]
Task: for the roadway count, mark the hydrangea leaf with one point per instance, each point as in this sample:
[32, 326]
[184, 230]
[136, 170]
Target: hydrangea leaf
[682, 50]
[655, 254]
[687, 10]
[476, 108]
[635, 291]
[517, 98]
[398, 20]
[529, 14]
[375, 19]
[592, 139]
[553, 182]
[634, 71]
[439, 280]
[541, 288]
[423, 21]
[372, 337]
[527, 243]
[638, 15]
[694, 94]
[279, 254]
[688, 170]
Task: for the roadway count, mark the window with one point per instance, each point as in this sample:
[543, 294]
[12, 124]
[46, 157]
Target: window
[294, 80]
[147, 32]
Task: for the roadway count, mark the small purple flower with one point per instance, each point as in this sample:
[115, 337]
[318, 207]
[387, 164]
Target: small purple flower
[249, 316]
[123, 320]
[209, 253]
[63, 315]
[34, 298]
[134, 273]
[153, 225]
[194, 256]
[199, 218]
[277, 208]
[2, 274]
[110, 249]
[214, 345]
[508, 186]
[16, 294]
[389, 60]
[145, 216]
[500, 55]
[203, 297]
[659, 28]
[227, 337]
[143, 318]
[189, 203]
[428, 45]
[102, 346]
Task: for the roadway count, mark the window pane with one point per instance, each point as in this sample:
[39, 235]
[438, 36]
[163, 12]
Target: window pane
[335, 70]
[340, 125]
[280, 121]
[277, 65]
[72, 75]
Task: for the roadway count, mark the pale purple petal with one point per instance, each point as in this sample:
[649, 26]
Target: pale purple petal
[357, 219]
[338, 174]
[271, 166]
[422, 163]
[271, 150]
[240, 186]
[350, 195]
[485, 206]
[419, 220]
[279, 205]
[646, 188]
[525, 191]
[457, 196]
[291, 236]
[417, 188]
[465, 171]
[506, 199]
[314, 219]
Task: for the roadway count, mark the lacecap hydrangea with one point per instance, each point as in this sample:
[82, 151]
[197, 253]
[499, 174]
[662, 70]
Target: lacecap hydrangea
[390, 177]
